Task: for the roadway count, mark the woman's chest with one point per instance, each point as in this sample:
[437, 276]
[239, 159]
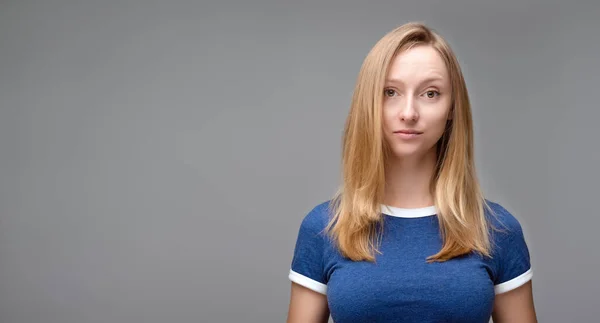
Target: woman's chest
[402, 287]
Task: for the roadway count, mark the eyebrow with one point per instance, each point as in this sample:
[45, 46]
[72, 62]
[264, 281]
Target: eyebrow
[427, 80]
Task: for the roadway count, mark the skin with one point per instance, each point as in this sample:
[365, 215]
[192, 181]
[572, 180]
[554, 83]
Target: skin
[417, 96]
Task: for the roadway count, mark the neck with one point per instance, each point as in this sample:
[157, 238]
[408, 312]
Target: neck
[407, 181]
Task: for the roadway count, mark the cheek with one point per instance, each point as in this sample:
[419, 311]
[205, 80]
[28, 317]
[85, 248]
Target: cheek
[388, 118]
[436, 123]
[388, 123]
[439, 122]
[436, 131]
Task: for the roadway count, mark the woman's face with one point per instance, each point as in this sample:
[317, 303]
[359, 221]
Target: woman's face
[416, 102]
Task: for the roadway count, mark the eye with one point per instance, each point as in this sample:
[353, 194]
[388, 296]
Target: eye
[389, 92]
[432, 94]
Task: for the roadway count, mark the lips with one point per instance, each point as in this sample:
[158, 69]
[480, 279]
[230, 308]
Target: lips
[409, 132]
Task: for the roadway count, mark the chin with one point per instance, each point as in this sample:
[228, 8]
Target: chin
[404, 152]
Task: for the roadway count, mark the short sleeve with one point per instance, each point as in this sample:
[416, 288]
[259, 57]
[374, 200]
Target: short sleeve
[511, 258]
[307, 268]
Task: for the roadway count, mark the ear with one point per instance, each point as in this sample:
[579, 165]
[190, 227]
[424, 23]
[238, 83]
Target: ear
[451, 113]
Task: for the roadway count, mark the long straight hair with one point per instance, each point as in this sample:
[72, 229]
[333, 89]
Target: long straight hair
[356, 206]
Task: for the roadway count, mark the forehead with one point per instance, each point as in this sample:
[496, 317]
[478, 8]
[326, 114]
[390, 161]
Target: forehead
[418, 63]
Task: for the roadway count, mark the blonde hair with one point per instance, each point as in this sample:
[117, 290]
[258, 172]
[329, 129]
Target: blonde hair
[356, 206]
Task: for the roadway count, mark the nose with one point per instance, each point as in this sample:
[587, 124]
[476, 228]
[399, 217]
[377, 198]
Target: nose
[408, 111]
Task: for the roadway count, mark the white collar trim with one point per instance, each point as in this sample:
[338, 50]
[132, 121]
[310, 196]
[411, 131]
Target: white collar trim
[408, 213]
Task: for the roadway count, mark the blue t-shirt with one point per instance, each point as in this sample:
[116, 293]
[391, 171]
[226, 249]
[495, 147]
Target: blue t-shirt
[400, 286]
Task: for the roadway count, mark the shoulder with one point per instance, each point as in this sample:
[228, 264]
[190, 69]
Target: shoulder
[510, 261]
[506, 234]
[317, 218]
[503, 222]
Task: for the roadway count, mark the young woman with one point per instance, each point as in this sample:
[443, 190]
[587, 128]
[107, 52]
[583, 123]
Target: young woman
[409, 236]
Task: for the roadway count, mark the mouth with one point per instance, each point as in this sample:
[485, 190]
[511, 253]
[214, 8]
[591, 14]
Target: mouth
[407, 134]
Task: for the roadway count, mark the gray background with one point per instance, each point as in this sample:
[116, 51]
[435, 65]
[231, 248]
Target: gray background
[157, 157]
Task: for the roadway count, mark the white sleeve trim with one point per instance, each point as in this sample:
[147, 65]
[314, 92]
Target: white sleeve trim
[307, 282]
[513, 283]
